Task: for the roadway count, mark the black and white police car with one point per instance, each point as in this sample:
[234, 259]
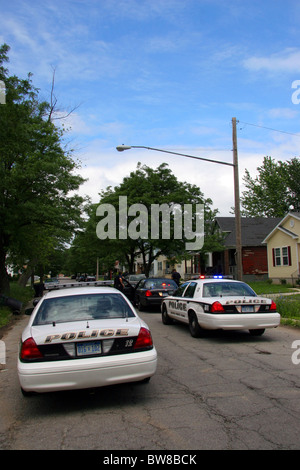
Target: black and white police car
[84, 337]
[211, 303]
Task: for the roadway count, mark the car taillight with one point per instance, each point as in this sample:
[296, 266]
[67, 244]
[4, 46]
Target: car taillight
[148, 293]
[144, 339]
[217, 308]
[273, 306]
[29, 350]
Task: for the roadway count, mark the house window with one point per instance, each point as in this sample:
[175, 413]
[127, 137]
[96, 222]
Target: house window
[282, 256]
[277, 257]
[285, 256]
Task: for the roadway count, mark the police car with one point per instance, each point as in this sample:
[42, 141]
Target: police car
[211, 303]
[84, 337]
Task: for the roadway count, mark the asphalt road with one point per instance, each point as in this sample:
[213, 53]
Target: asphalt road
[225, 391]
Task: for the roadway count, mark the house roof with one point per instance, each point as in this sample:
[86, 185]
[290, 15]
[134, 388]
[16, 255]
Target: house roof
[279, 226]
[254, 229]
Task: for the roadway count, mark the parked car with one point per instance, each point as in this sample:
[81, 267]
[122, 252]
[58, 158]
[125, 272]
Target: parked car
[214, 303]
[133, 279]
[151, 291]
[84, 337]
[51, 283]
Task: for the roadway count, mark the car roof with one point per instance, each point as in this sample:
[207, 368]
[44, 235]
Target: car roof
[81, 291]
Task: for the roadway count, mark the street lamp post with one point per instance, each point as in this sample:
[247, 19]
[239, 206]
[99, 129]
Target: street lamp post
[123, 147]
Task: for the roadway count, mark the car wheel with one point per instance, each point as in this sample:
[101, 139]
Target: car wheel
[195, 328]
[165, 317]
[257, 332]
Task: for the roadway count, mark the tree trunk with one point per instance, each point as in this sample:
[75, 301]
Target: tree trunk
[25, 276]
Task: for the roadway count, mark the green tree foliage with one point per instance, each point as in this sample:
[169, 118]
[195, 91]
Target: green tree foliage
[273, 190]
[36, 176]
[146, 186]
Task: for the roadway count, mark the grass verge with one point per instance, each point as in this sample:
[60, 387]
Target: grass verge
[16, 292]
[287, 305]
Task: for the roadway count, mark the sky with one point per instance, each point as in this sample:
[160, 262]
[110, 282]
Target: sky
[166, 74]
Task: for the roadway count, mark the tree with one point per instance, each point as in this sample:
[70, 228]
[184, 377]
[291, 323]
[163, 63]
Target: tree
[36, 177]
[145, 187]
[274, 190]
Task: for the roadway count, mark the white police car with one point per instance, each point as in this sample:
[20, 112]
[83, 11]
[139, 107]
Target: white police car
[84, 337]
[211, 303]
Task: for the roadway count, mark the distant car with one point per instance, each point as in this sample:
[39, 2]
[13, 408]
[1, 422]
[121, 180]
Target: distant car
[51, 283]
[214, 303]
[151, 291]
[90, 278]
[133, 279]
[84, 337]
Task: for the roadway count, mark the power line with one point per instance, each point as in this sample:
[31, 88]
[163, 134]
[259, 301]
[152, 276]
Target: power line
[269, 128]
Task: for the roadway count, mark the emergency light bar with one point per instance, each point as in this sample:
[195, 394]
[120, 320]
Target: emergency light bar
[215, 276]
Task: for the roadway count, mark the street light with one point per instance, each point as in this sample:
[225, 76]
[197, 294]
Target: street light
[238, 235]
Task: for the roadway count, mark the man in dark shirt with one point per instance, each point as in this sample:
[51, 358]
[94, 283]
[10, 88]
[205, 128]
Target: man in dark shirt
[176, 276]
[118, 282]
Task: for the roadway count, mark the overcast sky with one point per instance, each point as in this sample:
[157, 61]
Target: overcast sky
[169, 74]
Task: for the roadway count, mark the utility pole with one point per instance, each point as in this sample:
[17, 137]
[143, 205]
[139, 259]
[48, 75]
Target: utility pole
[238, 230]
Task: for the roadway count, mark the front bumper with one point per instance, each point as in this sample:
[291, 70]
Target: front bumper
[86, 373]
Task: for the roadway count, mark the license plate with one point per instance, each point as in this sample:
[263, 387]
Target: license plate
[247, 308]
[163, 294]
[88, 348]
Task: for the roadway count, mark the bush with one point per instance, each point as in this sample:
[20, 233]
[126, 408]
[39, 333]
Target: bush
[24, 294]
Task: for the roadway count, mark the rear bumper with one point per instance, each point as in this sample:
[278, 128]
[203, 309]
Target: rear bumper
[86, 373]
[237, 322]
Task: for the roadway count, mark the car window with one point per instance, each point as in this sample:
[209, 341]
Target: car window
[82, 307]
[224, 289]
[160, 284]
[141, 284]
[179, 291]
[190, 290]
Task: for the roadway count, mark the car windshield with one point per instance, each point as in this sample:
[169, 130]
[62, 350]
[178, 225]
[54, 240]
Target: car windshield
[82, 307]
[224, 289]
[160, 284]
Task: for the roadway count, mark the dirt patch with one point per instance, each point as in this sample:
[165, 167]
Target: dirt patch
[13, 320]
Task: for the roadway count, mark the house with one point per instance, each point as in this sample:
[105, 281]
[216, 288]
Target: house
[283, 247]
[254, 253]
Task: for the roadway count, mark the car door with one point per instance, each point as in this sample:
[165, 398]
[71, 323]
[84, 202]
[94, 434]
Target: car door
[175, 303]
[139, 291]
[188, 296]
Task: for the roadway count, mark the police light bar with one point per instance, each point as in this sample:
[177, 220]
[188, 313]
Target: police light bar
[215, 276]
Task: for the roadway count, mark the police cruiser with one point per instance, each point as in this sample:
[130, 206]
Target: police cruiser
[84, 337]
[211, 303]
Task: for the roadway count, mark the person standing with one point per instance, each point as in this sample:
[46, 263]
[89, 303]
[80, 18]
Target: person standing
[118, 282]
[176, 276]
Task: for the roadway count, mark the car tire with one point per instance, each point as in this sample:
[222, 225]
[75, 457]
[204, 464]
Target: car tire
[257, 332]
[195, 329]
[165, 317]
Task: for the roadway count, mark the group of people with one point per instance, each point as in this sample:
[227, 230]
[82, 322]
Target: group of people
[119, 283]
